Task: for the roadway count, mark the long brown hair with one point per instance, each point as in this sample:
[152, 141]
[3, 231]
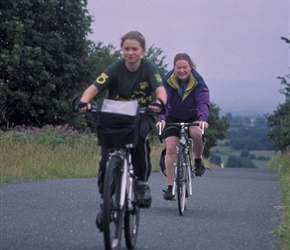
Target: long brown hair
[186, 57]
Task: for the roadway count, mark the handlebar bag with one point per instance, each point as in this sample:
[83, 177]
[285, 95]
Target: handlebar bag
[118, 123]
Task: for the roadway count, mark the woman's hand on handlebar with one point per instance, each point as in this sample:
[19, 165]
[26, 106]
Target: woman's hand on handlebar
[160, 125]
[203, 124]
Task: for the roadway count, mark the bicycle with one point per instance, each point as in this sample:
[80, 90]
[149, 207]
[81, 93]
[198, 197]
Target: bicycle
[120, 185]
[183, 168]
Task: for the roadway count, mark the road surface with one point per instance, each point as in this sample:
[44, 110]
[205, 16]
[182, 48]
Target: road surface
[230, 209]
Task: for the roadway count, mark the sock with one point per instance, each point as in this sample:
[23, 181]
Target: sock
[197, 160]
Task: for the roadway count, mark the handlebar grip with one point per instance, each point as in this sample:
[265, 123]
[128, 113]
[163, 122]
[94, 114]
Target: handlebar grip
[74, 105]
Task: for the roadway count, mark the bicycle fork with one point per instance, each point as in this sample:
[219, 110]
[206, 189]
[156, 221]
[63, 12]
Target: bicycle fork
[123, 184]
[187, 169]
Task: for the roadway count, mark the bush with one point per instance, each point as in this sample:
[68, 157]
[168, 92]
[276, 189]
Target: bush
[239, 162]
[245, 153]
[262, 158]
[48, 135]
[216, 159]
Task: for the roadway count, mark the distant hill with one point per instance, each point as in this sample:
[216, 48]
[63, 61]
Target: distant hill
[246, 98]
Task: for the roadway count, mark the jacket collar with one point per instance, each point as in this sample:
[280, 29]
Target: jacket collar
[173, 82]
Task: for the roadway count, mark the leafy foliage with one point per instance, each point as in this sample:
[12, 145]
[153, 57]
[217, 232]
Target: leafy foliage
[239, 162]
[215, 159]
[154, 55]
[248, 133]
[279, 121]
[48, 135]
[43, 59]
[217, 129]
[46, 59]
[280, 164]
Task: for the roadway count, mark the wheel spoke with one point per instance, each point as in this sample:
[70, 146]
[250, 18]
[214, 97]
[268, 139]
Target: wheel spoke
[131, 218]
[180, 179]
[112, 212]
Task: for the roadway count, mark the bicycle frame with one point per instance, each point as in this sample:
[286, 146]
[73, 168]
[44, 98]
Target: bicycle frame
[182, 183]
[126, 170]
[187, 146]
[119, 189]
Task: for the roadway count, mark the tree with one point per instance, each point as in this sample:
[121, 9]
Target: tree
[154, 54]
[43, 60]
[279, 121]
[249, 133]
[215, 159]
[217, 129]
[245, 154]
[239, 162]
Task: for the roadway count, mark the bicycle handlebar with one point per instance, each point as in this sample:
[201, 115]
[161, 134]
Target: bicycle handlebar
[180, 124]
[94, 109]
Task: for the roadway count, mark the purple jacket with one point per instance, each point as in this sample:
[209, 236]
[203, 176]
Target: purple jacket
[193, 102]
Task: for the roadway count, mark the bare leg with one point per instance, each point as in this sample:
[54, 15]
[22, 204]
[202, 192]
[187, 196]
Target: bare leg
[195, 133]
[171, 157]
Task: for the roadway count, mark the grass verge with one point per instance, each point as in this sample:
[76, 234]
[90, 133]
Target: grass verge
[22, 161]
[55, 153]
[281, 164]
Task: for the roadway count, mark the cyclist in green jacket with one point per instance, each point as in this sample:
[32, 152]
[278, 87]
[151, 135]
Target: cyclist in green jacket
[131, 78]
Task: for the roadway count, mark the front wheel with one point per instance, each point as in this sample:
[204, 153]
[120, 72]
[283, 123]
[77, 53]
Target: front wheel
[112, 212]
[131, 217]
[181, 180]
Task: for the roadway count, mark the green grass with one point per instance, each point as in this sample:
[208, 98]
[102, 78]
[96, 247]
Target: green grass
[281, 164]
[31, 154]
[22, 161]
[225, 152]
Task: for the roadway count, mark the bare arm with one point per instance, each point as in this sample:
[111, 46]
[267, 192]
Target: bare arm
[161, 93]
[89, 93]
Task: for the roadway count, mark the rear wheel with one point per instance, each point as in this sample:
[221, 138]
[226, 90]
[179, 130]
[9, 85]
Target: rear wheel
[112, 212]
[181, 180]
[132, 219]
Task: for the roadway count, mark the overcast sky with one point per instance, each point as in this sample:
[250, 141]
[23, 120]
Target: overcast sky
[233, 43]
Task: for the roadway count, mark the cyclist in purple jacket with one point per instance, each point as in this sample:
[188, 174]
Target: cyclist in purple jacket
[187, 101]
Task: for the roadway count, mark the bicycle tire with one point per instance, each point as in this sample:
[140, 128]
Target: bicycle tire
[131, 219]
[112, 213]
[180, 180]
[189, 175]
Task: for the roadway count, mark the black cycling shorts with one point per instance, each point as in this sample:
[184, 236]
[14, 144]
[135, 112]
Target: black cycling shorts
[175, 130]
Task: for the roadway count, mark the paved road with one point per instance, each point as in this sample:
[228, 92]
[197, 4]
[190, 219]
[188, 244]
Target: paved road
[230, 209]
